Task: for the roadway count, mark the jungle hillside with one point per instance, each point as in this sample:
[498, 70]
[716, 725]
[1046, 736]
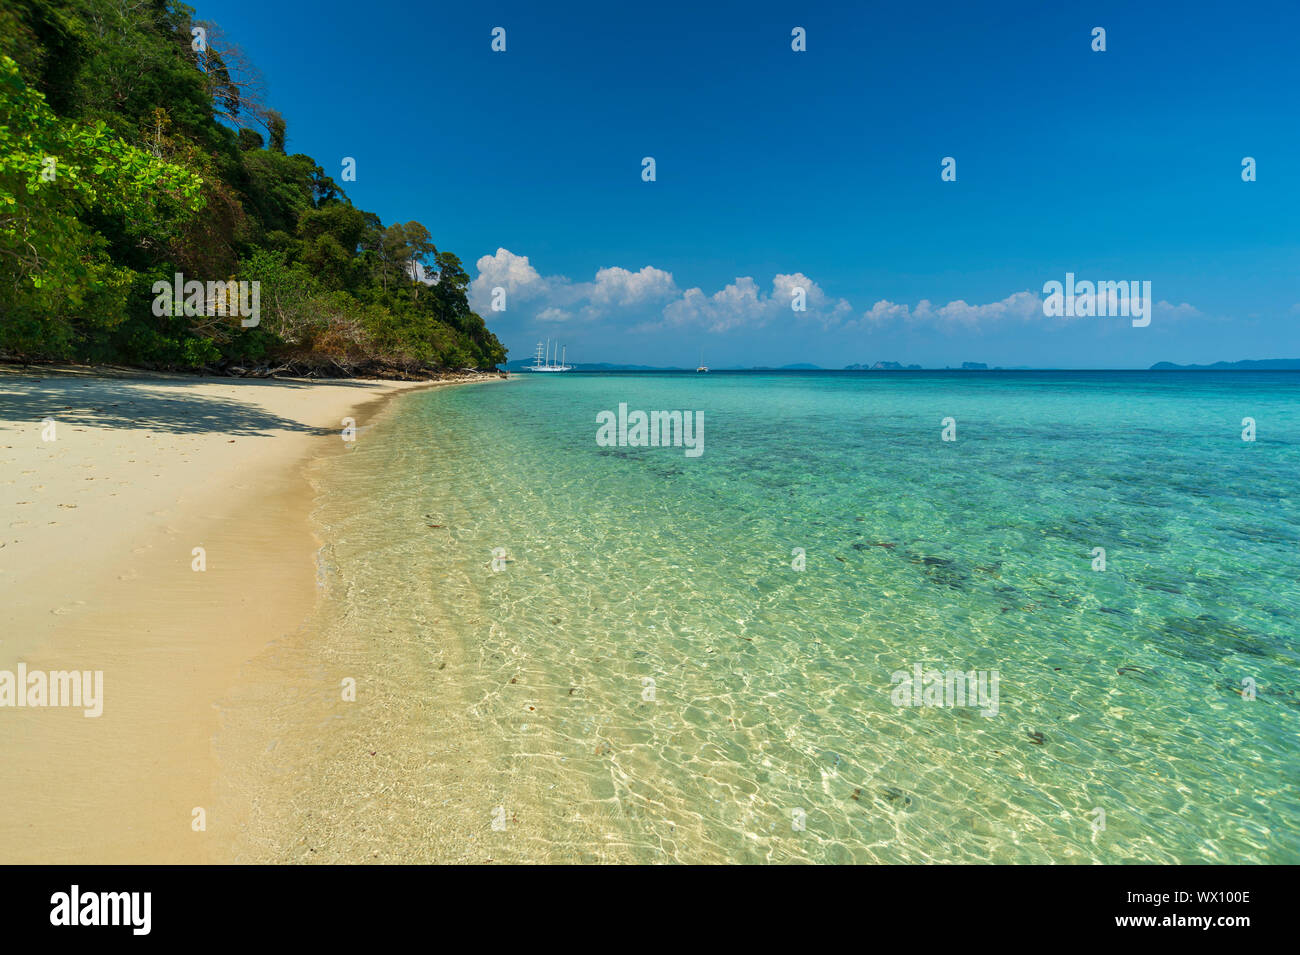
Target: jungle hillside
[136, 147]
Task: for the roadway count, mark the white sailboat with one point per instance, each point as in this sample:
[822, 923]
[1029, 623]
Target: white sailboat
[703, 367]
[549, 365]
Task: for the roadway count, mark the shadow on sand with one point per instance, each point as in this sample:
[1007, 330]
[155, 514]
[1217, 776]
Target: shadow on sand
[142, 405]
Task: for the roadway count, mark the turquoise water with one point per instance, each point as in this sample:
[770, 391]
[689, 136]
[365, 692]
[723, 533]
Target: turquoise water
[520, 695]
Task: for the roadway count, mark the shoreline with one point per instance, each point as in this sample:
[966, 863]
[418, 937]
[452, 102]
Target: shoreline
[97, 546]
[408, 769]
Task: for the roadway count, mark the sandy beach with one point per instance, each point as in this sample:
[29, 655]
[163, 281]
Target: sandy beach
[154, 528]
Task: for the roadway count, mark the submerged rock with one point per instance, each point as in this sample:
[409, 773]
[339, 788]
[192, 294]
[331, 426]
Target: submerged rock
[896, 797]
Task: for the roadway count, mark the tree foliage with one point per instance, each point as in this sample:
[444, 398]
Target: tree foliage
[128, 155]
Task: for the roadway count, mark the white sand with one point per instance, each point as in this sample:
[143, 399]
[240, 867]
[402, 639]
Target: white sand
[97, 533]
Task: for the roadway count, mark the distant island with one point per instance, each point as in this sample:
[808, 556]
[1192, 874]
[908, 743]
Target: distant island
[520, 364]
[1266, 364]
[898, 366]
[883, 366]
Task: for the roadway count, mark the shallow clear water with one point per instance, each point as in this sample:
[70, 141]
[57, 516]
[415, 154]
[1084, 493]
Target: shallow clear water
[770, 733]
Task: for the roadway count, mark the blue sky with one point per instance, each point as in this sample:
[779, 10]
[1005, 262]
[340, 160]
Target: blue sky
[820, 169]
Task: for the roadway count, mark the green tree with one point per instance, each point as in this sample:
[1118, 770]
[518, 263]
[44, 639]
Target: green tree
[56, 280]
[123, 162]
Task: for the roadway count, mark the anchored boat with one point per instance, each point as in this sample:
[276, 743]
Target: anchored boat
[538, 364]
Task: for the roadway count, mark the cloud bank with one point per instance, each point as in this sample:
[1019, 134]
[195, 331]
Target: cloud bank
[650, 300]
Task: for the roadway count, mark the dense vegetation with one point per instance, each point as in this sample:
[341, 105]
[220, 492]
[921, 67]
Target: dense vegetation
[133, 148]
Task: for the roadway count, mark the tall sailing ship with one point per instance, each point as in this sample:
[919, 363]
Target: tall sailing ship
[549, 365]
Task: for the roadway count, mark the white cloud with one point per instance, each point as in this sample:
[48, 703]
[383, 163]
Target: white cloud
[1019, 306]
[649, 299]
[737, 304]
[884, 311]
[743, 304]
[511, 272]
[621, 288]
[820, 307]
[649, 295]
[560, 299]
[1182, 310]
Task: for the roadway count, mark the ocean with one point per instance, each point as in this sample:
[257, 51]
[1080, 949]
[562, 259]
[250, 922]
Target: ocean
[570, 648]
